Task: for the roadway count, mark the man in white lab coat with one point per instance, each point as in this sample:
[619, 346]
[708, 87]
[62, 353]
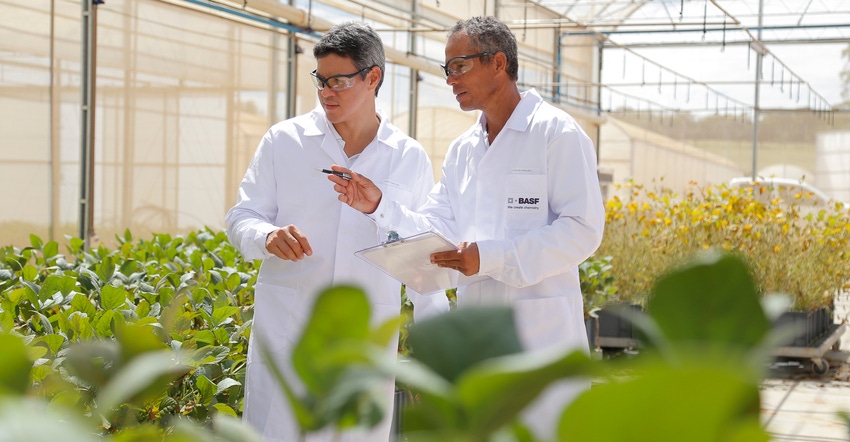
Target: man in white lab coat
[519, 193]
[288, 216]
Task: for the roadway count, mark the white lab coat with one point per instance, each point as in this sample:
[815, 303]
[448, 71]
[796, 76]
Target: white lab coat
[532, 203]
[282, 187]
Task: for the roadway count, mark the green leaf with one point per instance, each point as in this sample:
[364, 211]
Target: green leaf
[33, 420]
[30, 273]
[75, 245]
[51, 249]
[487, 332]
[81, 326]
[36, 242]
[53, 341]
[144, 377]
[225, 409]
[104, 324]
[64, 284]
[207, 389]
[226, 383]
[136, 340]
[105, 268]
[16, 366]
[695, 303]
[205, 337]
[82, 304]
[143, 308]
[221, 314]
[232, 282]
[693, 403]
[112, 298]
[340, 313]
[495, 391]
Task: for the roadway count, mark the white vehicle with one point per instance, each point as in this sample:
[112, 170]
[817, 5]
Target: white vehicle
[790, 191]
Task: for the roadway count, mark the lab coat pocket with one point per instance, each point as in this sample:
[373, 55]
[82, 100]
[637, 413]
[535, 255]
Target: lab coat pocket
[397, 192]
[279, 316]
[526, 202]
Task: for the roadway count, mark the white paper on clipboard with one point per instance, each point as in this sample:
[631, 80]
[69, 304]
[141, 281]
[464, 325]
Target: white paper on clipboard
[408, 260]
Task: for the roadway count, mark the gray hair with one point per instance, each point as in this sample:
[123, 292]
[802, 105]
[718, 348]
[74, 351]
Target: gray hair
[488, 34]
[355, 40]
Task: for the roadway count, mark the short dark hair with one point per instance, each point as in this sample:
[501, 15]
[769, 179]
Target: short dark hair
[488, 34]
[357, 41]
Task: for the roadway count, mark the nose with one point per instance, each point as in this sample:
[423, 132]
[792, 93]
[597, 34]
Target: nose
[451, 80]
[326, 92]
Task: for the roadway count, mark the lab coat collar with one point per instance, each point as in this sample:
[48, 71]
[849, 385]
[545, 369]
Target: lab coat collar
[317, 125]
[523, 113]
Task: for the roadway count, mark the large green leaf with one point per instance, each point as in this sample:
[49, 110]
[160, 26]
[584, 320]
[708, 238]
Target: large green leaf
[712, 300]
[32, 420]
[453, 342]
[340, 314]
[15, 368]
[136, 340]
[143, 377]
[112, 297]
[694, 403]
[494, 392]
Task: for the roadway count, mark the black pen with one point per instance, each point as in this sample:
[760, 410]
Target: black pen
[344, 176]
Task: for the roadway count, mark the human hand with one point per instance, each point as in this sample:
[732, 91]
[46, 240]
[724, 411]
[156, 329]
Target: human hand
[288, 244]
[465, 260]
[358, 192]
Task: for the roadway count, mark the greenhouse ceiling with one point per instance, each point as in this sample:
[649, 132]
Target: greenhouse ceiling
[715, 44]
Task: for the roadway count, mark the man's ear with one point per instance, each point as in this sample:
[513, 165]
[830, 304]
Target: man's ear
[501, 61]
[374, 77]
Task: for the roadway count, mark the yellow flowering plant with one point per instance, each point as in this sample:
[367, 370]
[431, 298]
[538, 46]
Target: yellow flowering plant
[792, 245]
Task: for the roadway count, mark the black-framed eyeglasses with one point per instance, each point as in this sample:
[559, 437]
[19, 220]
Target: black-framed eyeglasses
[336, 83]
[462, 64]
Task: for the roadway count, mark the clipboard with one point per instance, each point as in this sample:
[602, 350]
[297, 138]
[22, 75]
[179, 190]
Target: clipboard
[408, 260]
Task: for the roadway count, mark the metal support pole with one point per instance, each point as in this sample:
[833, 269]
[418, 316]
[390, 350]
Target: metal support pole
[413, 90]
[87, 106]
[292, 49]
[756, 104]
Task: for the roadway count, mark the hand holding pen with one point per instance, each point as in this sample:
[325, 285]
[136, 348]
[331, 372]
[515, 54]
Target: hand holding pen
[344, 176]
[355, 190]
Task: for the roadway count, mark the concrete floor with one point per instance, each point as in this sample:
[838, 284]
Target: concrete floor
[799, 406]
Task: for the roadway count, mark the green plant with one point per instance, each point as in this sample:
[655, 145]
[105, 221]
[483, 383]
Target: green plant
[789, 250]
[186, 297]
[598, 286]
[340, 360]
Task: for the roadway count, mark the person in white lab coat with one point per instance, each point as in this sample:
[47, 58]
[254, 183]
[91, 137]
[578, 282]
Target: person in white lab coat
[519, 193]
[287, 215]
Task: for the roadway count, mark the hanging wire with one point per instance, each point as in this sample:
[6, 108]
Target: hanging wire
[524, 20]
[681, 9]
[723, 45]
[704, 20]
[625, 52]
[772, 70]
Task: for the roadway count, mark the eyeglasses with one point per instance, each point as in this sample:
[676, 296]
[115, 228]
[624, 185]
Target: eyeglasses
[336, 83]
[462, 64]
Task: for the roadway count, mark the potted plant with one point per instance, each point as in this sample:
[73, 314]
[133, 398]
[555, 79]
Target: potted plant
[792, 244]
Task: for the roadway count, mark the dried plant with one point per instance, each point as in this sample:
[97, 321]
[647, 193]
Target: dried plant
[792, 245]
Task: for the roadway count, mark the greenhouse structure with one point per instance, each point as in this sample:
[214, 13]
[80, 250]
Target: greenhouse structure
[143, 114]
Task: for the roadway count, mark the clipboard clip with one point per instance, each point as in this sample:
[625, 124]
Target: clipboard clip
[392, 236]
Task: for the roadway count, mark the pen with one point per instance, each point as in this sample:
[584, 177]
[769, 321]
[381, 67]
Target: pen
[333, 172]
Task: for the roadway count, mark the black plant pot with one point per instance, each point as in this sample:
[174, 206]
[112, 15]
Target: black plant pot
[400, 399]
[811, 326]
[615, 325]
